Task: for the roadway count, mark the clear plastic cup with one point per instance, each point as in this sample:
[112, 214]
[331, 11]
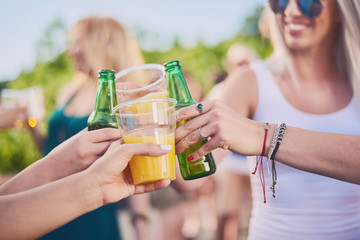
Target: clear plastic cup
[149, 120]
[144, 81]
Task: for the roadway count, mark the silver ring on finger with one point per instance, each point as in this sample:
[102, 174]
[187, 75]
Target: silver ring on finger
[185, 142]
[202, 138]
[177, 116]
[199, 107]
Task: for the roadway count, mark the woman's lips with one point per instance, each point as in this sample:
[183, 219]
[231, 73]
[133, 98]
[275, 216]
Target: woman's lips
[295, 28]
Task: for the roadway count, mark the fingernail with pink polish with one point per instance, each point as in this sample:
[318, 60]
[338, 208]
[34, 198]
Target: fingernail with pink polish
[190, 158]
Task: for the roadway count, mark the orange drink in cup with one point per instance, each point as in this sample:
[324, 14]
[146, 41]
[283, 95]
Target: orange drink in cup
[148, 169]
[149, 120]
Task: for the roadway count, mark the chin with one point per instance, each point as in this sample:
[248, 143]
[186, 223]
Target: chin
[81, 68]
[295, 47]
[296, 44]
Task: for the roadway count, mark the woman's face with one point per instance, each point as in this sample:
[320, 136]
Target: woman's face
[77, 51]
[301, 32]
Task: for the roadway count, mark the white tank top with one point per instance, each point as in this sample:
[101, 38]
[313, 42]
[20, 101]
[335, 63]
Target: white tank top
[307, 206]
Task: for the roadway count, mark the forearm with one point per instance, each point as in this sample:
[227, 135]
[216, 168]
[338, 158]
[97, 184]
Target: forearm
[33, 213]
[332, 155]
[37, 174]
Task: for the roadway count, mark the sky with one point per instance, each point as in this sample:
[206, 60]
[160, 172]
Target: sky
[23, 22]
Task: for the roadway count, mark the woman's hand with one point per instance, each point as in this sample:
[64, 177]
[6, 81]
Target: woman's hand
[10, 115]
[224, 128]
[112, 174]
[74, 155]
[80, 151]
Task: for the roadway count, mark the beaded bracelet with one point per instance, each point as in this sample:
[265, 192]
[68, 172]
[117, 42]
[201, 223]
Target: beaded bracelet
[274, 146]
[277, 139]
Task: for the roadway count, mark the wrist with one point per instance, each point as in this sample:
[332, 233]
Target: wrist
[46, 170]
[93, 194]
[52, 167]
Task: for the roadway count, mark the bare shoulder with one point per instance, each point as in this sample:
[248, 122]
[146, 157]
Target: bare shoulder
[64, 94]
[240, 91]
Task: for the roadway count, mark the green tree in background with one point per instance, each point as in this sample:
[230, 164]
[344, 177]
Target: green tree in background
[53, 69]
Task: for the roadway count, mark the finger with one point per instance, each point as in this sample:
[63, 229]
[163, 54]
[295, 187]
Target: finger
[124, 152]
[100, 148]
[192, 111]
[194, 137]
[181, 146]
[190, 126]
[114, 145]
[149, 187]
[186, 142]
[145, 149]
[104, 134]
[205, 149]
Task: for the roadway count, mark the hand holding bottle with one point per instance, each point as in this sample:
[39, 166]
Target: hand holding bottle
[37, 210]
[190, 167]
[226, 129]
[72, 156]
[80, 151]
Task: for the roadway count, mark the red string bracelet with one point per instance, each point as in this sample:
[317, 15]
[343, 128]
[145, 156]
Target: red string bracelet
[259, 161]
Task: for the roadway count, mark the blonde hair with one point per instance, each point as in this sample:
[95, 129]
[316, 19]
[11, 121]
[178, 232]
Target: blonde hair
[107, 45]
[346, 49]
[280, 60]
[349, 48]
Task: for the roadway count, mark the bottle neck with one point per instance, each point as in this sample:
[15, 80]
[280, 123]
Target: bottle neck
[105, 95]
[177, 87]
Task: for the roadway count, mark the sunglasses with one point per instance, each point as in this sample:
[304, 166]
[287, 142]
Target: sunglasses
[310, 8]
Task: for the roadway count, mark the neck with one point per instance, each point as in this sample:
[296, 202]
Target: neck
[315, 65]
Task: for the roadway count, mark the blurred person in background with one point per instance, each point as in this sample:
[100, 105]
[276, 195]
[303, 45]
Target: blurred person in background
[311, 81]
[238, 55]
[197, 92]
[233, 191]
[10, 116]
[96, 43]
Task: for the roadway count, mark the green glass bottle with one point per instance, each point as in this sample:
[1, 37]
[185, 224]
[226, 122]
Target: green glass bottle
[101, 116]
[177, 89]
